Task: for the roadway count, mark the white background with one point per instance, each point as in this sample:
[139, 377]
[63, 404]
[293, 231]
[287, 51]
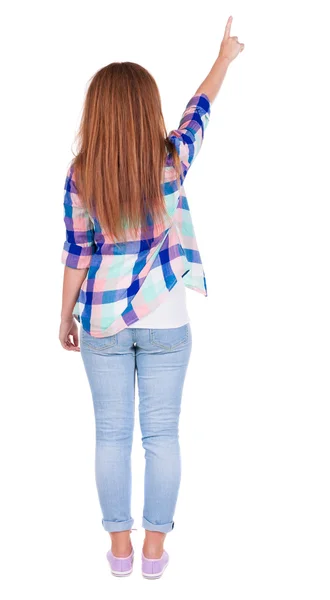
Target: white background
[252, 519]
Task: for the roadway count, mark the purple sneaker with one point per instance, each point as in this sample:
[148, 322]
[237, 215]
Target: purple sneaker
[153, 568]
[120, 567]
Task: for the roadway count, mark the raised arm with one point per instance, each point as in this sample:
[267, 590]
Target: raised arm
[189, 136]
[230, 48]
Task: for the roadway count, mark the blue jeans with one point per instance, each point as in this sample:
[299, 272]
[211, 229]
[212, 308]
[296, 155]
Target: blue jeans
[160, 358]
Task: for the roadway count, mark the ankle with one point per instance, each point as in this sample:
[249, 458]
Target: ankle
[152, 552]
[121, 545]
[153, 544]
[121, 551]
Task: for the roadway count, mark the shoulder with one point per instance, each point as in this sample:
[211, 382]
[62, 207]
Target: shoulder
[70, 187]
[70, 175]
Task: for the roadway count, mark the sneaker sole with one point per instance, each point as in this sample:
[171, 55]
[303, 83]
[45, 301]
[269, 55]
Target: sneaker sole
[121, 573]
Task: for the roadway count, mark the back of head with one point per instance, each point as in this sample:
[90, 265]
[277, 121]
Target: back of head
[118, 169]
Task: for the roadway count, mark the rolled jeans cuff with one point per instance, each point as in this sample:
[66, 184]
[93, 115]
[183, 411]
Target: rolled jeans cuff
[117, 525]
[162, 527]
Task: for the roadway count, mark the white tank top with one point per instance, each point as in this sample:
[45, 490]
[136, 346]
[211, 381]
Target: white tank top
[172, 312]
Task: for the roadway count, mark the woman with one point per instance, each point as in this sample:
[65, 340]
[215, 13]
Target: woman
[129, 254]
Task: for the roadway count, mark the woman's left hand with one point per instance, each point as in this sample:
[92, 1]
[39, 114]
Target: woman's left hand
[69, 327]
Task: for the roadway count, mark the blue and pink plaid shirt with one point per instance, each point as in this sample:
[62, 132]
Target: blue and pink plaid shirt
[126, 281]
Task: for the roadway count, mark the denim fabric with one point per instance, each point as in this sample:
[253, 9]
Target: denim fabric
[160, 359]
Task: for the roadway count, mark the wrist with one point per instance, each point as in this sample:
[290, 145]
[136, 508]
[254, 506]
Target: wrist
[65, 317]
[223, 60]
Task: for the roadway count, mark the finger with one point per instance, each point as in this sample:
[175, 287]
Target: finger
[227, 28]
[75, 339]
[74, 345]
[67, 344]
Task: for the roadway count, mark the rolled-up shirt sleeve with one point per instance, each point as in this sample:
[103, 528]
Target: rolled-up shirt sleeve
[189, 136]
[79, 245]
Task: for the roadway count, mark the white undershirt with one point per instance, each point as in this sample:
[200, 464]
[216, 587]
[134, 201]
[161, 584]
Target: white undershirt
[172, 312]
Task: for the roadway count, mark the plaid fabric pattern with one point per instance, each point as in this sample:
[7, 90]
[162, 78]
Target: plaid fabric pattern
[126, 281]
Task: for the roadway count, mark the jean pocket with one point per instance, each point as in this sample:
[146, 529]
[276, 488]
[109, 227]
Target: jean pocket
[95, 343]
[171, 338]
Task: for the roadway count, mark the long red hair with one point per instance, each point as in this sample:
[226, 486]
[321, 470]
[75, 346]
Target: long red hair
[122, 148]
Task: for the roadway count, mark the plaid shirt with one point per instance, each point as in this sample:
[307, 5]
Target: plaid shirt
[126, 281]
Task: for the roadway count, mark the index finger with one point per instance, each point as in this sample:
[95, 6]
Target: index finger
[227, 28]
